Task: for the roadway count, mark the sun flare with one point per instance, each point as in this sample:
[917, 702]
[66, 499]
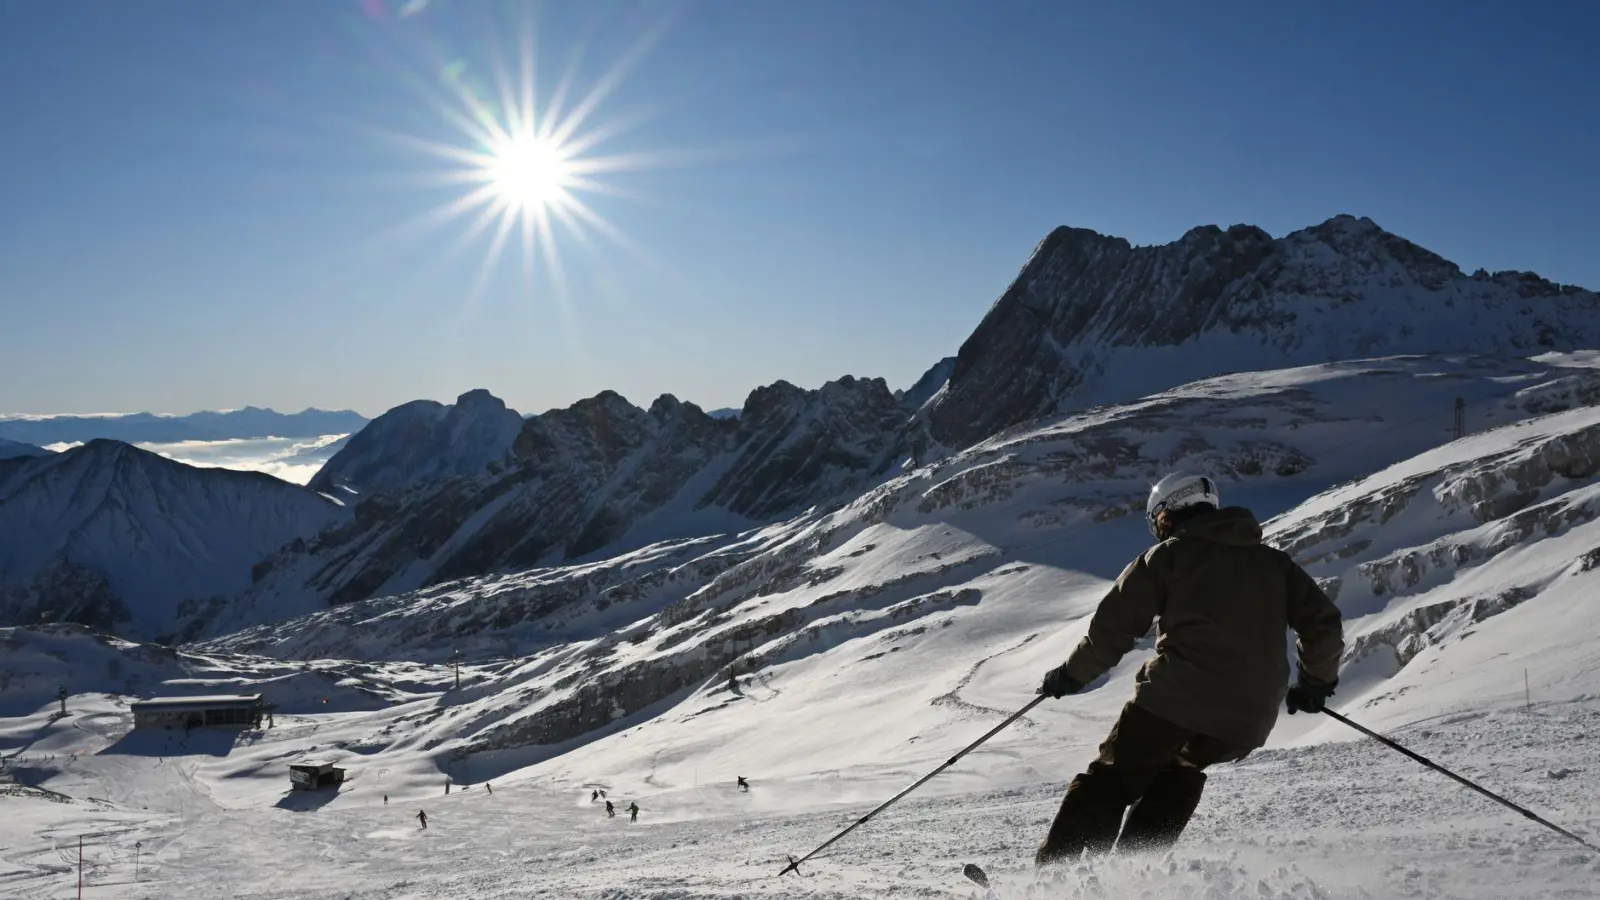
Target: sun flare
[530, 164]
[529, 172]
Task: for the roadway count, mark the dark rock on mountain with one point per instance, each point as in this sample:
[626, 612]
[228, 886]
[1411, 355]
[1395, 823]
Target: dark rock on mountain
[421, 441]
[1092, 319]
[797, 447]
[600, 475]
[929, 384]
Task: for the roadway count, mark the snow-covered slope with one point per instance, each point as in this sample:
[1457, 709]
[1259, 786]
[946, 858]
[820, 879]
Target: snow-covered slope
[153, 428]
[1091, 319]
[17, 449]
[42, 659]
[598, 478]
[210, 815]
[1010, 540]
[1491, 537]
[110, 535]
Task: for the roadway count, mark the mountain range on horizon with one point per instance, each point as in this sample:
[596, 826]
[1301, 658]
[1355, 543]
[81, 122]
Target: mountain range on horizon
[438, 492]
[156, 428]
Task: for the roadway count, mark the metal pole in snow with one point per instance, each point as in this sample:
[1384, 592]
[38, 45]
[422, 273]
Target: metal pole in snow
[1527, 692]
[794, 864]
[80, 867]
[136, 846]
[1446, 772]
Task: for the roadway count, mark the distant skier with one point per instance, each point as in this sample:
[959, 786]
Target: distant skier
[488, 787]
[1221, 601]
[633, 812]
[743, 785]
[593, 796]
[422, 816]
[610, 810]
[602, 792]
[385, 799]
[447, 787]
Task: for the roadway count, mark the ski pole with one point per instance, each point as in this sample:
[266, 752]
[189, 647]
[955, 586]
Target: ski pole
[794, 864]
[1443, 771]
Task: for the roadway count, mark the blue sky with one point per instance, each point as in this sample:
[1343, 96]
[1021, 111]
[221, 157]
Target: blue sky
[205, 205]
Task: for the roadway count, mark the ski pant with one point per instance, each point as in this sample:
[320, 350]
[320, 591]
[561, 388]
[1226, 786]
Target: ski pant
[1145, 762]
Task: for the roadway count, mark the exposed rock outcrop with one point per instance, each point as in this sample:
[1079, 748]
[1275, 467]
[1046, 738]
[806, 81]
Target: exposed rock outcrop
[1092, 319]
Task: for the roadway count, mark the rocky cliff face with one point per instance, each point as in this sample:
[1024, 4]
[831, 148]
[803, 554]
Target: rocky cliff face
[599, 476]
[1092, 319]
[931, 382]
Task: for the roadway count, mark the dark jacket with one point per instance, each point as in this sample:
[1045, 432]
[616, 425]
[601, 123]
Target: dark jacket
[1222, 601]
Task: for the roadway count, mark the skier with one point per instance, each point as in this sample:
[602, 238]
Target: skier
[1222, 601]
[422, 816]
[593, 796]
[610, 811]
[488, 787]
[633, 812]
[743, 785]
[385, 799]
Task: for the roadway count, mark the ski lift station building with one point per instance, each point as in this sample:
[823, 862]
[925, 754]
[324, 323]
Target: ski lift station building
[312, 776]
[227, 710]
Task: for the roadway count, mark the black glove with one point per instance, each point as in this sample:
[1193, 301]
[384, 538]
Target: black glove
[1308, 696]
[1058, 684]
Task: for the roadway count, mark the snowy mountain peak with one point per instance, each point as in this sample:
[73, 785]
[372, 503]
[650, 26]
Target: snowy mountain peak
[111, 535]
[420, 441]
[1092, 319]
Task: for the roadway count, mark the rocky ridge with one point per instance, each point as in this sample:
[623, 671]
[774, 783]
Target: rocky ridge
[1092, 319]
[599, 477]
[630, 633]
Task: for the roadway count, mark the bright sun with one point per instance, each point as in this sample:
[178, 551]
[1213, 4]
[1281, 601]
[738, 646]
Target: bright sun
[529, 172]
[528, 166]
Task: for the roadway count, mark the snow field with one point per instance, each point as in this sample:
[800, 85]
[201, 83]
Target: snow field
[1345, 819]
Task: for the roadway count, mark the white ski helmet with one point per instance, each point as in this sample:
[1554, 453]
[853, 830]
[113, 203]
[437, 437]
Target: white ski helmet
[1179, 491]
